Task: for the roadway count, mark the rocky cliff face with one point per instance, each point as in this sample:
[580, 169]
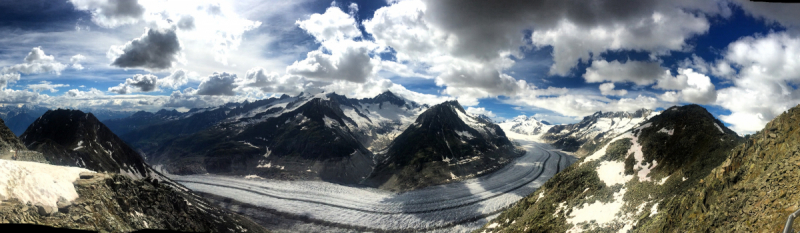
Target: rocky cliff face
[754, 190]
[444, 144]
[117, 203]
[643, 180]
[9, 141]
[11, 146]
[74, 138]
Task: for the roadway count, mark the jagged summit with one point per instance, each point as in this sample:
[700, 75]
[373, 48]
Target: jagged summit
[386, 96]
[75, 138]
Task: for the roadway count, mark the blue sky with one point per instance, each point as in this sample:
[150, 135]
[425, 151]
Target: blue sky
[555, 60]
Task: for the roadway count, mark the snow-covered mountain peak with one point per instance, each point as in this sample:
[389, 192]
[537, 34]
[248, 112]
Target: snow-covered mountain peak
[595, 128]
[525, 125]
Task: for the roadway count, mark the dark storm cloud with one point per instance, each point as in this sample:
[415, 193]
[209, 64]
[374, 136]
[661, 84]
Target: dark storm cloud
[39, 15]
[156, 50]
[139, 83]
[485, 27]
[122, 8]
[111, 13]
[218, 84]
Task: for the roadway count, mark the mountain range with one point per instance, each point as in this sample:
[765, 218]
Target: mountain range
[18, 117]
[526, 126]
[594, 130]
[322, 136]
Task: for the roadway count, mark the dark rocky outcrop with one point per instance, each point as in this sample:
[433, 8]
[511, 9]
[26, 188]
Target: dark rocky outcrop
[755, 189]
[12, 148]
[75, 138]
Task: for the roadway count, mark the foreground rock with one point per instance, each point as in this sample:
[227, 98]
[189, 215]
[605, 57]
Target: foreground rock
[116, 203]
[754, 190]
[12, 148]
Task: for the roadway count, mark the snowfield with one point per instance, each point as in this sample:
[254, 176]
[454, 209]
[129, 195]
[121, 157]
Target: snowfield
[37, 183]
[449, 207]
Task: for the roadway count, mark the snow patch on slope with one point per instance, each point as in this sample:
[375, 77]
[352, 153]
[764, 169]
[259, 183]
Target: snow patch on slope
[598, 212]
[719, 128]
[37, 183]
[602, 151]
[643, 170]
[612, 173]
[80, 145]
[664, 130]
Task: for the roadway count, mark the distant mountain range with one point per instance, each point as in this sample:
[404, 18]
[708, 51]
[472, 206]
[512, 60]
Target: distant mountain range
[526, 126]
[18, 118]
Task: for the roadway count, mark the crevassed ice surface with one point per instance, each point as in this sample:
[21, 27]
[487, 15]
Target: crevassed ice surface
[430, 208]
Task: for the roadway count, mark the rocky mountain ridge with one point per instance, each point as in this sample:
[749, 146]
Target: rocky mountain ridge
[594, 130]
[754, 189]
[75, 138]
[109, 202]
[640, 181]
[443, 144]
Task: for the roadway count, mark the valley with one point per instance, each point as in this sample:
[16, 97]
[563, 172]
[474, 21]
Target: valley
[454, 207]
